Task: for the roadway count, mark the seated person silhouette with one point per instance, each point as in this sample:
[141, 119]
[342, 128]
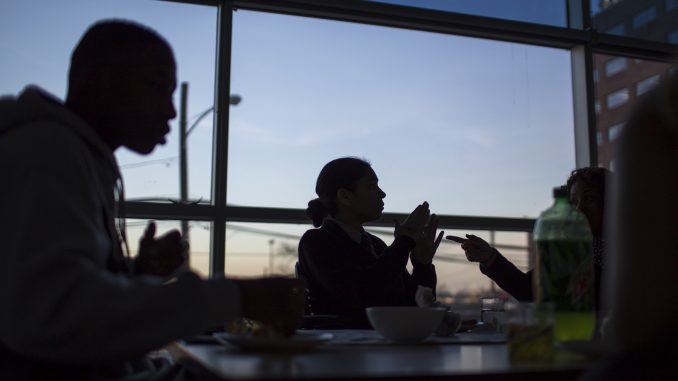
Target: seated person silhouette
[75, 305]
[348, 269]
[586, 187]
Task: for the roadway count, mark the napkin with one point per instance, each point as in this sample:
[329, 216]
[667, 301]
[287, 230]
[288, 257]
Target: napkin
[451, 320]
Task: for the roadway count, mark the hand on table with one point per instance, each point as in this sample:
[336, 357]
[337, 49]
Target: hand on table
[277, 302]
[476, 249]
[160, 256]
[427, 243]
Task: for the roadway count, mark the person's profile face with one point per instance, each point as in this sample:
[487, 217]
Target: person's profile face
[367, 199]
[147, 105]
[589, 202]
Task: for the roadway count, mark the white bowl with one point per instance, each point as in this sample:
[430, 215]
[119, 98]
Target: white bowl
[405, 324]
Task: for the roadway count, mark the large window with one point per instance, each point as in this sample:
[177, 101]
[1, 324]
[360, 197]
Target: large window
[442, 118]
[479, 107]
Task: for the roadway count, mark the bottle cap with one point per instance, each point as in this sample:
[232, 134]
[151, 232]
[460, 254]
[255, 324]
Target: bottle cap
[560, 191]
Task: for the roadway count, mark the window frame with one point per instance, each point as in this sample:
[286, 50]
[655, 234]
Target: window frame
[580, 38]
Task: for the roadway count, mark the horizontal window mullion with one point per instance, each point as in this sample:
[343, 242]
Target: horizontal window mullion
[634, 47]
[144, 210]
[213, 3]
[467, 222]
[149, 210]
[298, 216]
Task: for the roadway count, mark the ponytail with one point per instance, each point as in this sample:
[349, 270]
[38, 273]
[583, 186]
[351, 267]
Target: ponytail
[317, 211]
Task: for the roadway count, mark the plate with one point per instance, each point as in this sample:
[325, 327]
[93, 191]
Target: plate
[302, 340]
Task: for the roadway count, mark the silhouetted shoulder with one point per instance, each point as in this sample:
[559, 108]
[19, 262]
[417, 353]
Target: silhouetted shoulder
[315, 235]
[53, 140]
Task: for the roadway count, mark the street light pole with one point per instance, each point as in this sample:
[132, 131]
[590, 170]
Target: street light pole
[184, 131]
[183, 159]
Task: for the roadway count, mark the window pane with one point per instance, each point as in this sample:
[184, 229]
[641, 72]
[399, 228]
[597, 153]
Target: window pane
[619, 29]
[260, 249]
[451, 120]
[549, 12]
[253, 249]
[40, 55]
[198, 233]
[647, 84]
[614, 131]
[644, 17]
[651, 19]
[618, 95]
[617, 98]
[672, 37]
[615, 66]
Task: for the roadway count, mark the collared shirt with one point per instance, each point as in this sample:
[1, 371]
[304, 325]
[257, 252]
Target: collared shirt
[356, 236]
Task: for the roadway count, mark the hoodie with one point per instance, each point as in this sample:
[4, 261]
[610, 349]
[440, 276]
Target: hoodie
[59, 299]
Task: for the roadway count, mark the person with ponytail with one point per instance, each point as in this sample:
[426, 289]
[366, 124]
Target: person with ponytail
[348, 269]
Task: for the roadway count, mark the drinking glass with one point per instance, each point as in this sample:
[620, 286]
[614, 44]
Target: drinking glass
[492, 312]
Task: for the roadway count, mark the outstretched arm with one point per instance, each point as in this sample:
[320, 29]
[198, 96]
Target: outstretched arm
[497, 267]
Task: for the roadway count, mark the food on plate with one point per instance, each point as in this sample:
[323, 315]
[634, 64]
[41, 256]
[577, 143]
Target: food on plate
[243, 326]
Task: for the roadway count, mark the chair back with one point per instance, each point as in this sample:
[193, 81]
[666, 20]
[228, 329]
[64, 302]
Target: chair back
[300, 275]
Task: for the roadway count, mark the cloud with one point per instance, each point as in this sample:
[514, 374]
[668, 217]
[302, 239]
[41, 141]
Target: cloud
[300, 137]
[476, 136]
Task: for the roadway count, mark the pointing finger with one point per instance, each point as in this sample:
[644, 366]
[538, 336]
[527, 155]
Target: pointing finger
[439, 239]
[150, 231]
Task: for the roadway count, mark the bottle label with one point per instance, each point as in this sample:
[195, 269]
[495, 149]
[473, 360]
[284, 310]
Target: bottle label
[565, 274]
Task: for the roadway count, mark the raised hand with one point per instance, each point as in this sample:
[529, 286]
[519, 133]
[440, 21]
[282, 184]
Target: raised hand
[476, 249]
[160, 256]
[427, 243]
[414, 224]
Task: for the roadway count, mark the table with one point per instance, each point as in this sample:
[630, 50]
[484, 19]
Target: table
[465, 356]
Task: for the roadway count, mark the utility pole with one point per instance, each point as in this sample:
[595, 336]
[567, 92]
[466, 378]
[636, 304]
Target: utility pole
[183, 159]
[493, 284]
[271, 242]
[184, 131]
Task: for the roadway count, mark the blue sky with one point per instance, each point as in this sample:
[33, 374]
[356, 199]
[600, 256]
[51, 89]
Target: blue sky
[451, 120]
[549, 12]
[475, 127]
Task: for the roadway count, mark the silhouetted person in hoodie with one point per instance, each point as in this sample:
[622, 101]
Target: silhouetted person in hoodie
[73, 305]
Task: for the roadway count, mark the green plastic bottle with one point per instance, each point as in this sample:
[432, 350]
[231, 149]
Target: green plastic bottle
[564, 272]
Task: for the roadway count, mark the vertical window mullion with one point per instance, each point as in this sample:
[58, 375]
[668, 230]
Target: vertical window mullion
[586, 153]
[220, 157]
[583, 87]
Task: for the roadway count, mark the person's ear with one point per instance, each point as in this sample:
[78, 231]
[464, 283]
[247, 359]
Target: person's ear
[344, 197]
